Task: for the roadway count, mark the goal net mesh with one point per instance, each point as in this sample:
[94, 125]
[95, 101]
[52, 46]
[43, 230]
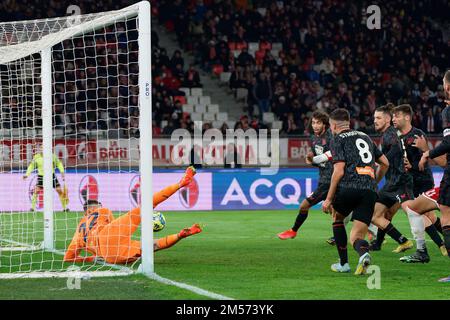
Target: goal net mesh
[95, 125]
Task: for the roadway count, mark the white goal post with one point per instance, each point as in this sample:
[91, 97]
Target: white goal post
[73, 85]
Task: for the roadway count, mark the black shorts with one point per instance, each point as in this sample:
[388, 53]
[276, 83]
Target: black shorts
[420, 188]
[319, 194]
[444, 194]
[40, 182]
[390, 195]
[359, 201]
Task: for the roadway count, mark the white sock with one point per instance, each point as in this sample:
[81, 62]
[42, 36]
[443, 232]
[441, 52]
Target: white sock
[417, 228]
[373, 229]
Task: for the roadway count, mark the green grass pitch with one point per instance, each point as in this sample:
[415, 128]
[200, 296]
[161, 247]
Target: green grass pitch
[238, 255]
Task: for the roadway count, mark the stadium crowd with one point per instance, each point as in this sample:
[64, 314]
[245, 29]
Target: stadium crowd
[328, 59]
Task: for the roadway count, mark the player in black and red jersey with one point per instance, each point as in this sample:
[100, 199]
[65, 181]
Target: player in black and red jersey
[399, 184]
[442, 149]
[319, 156]
[353, 188]
[422, 179]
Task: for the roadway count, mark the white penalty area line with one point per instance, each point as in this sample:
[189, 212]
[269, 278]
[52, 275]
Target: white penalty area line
[189, 287]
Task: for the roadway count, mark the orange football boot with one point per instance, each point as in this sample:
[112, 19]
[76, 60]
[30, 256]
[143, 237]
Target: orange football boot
[188, 176]
[186, 232]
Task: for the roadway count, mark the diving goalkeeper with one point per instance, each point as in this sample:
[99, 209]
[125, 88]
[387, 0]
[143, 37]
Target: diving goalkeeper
[110, 239]
[38, 163]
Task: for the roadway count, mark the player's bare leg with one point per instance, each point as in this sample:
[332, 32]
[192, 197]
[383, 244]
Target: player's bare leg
[379, 219]
[170, 240]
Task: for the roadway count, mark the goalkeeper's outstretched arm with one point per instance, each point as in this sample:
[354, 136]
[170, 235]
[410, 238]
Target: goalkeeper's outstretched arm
[30, 168]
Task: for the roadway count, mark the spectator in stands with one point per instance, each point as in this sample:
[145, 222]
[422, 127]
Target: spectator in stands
[192, 78]
[262, 91]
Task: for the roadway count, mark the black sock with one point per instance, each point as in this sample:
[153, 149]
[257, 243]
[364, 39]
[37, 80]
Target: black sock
[340, 236]
[361, 246]
[380, 237]
[395, 234]
[301, 217]
[438, 225]
[434, 235]
[446, 232]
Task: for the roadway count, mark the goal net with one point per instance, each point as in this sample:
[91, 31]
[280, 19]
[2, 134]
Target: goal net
[74, 90]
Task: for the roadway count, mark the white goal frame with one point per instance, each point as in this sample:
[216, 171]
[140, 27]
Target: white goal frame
[142, 11]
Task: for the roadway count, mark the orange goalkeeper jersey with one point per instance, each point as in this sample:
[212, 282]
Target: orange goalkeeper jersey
[86, 234]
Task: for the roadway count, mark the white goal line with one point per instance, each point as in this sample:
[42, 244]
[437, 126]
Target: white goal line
[120, 271]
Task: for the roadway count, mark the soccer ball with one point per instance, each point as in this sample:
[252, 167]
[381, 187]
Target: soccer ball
[159, 222]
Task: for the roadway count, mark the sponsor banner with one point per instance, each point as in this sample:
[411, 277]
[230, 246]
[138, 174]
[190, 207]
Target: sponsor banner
[116, 191]
[246, 189]
[297, 149]
[18, 153]
[125, 153]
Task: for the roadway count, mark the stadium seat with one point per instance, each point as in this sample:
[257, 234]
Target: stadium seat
[209, 117]
[262, 11]
[187, 91]
[277, 46]
[206, 100]
[230, 124]
[265, 46]
[217, 124]
[277, 125]
[225, 77]
[259, 56]
[253, 46]
[182, 99]
[192, 100]
[213, 108]
[241, 45]
[241, 94]
[200, 108]
[222, 116]
[275, 53]
[268, 117]
[196, 116]
[58, 132]
[189, 108]
[196, 92]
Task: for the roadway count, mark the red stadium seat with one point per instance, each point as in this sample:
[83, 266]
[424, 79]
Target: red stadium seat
[182, 99]
[264, 45]
[259, 56]
[241, 45]
[217, 69]
[232, 45]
